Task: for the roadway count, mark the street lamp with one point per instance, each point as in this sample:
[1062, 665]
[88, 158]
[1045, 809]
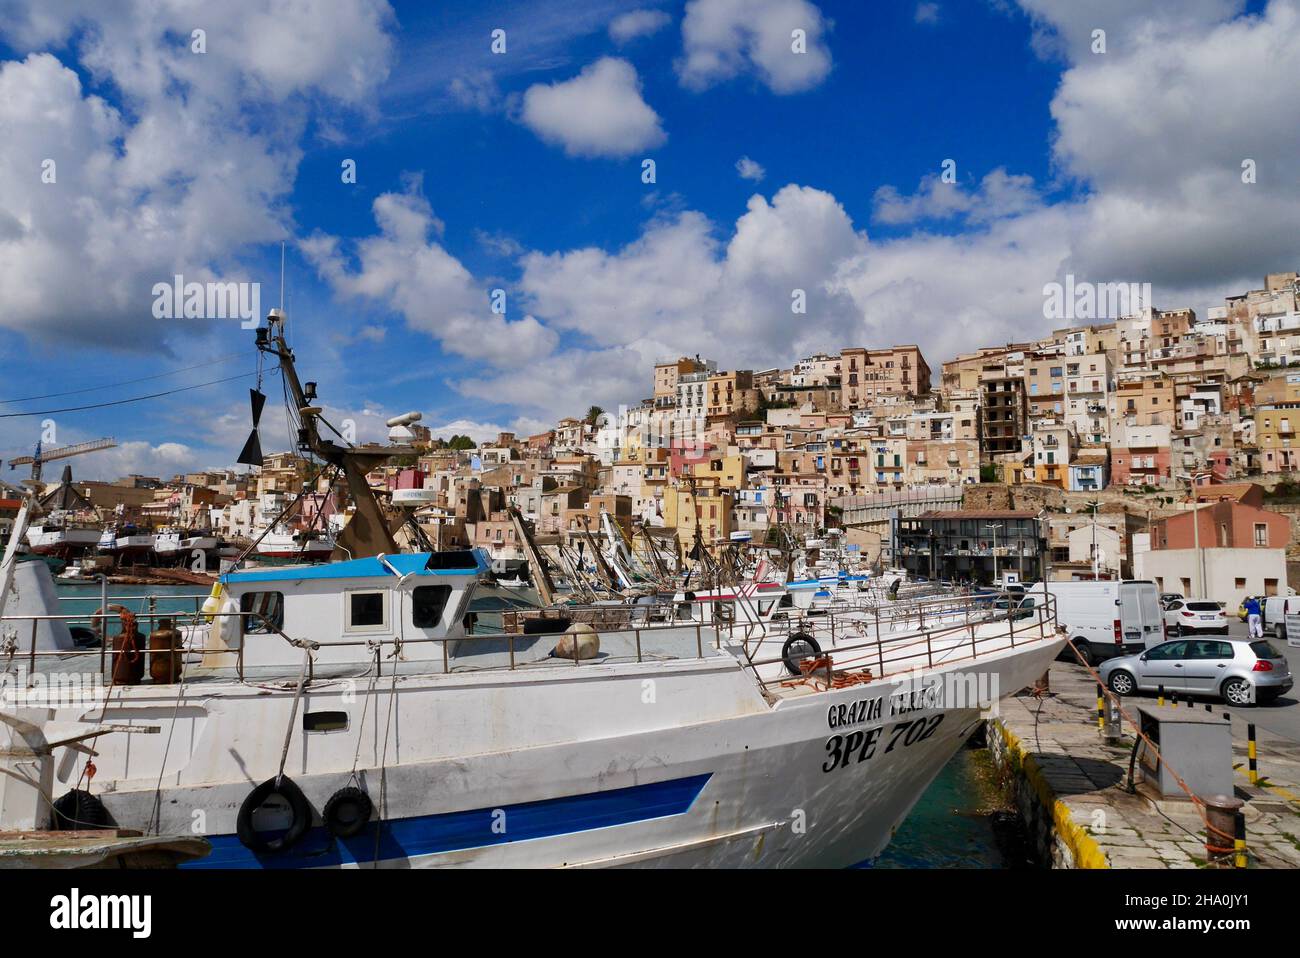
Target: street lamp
[1196, 532]
[995, 526]
[1093, 504]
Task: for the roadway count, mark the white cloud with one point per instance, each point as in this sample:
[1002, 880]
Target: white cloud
[404, 268]
[750, 170]
[475, 90]
[637, 23]
[999, 194]
[478, 431]
[677, 289]
[184, 176]
[1065, 27]
[927, 13]
[600, 112]
[722, 39]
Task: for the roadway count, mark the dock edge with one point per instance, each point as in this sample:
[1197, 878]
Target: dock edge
[1057, 837]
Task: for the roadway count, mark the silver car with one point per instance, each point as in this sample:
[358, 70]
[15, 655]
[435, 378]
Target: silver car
[1241, 671]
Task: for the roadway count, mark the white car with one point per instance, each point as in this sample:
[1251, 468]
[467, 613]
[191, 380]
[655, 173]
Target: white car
[1190, 616]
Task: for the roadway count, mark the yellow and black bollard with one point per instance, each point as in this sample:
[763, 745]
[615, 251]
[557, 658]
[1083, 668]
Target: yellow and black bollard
[1239, 842]
[1101, 709]
[1160, 695]
[1251, 754]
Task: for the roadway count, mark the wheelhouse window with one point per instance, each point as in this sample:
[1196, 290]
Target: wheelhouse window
[263, 612]
[427, 605]
[367, 611]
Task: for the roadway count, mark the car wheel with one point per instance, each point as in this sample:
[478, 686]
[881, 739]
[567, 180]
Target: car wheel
[1122, 683]
[1238, 692]
[1084, 650]
[1279, 632]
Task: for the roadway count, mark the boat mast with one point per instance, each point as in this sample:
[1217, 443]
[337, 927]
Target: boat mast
[367, 533]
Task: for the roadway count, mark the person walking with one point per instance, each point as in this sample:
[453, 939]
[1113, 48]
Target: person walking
[1254, 620]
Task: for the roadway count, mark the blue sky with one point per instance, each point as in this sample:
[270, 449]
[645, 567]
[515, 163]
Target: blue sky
[522, 171]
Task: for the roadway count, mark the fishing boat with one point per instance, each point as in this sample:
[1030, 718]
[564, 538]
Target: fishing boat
[283, 542]
[132, 545]
[62, 536]
[384, 734]
[175, 545]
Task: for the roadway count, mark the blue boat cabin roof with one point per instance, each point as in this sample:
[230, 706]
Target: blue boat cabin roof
[461, 562]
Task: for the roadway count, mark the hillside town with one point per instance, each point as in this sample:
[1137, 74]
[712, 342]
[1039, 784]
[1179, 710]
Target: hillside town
[1154, 446]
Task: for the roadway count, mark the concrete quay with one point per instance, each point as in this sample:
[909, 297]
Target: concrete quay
[1070, 784]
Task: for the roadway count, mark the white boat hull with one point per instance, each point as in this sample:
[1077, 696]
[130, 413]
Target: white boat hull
[552, 768]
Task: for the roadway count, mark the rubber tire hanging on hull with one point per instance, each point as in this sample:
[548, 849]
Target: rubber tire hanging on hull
[299, 808]
[347, 812]
[78, 810]
[787, 651]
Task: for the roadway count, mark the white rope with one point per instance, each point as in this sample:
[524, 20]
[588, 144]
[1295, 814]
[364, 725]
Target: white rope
[307, 647]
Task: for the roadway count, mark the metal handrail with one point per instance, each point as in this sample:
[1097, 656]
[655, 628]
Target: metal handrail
[879, 642]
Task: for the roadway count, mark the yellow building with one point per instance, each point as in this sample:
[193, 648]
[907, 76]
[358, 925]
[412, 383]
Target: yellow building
[1275, 435]
[709, 507]
[725, 471]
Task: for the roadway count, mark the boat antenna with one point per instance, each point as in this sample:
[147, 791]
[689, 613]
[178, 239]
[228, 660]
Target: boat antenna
[282, 312]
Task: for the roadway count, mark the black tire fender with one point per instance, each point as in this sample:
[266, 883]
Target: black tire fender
[78, 810]
[787, 651]
[347, 812]
[299, 808]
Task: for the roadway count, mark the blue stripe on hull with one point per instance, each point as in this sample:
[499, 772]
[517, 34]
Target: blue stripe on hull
[455, 831]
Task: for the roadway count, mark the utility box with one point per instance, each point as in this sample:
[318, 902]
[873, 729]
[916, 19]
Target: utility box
[1195, 743]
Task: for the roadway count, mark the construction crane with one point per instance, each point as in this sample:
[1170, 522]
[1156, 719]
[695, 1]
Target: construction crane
[61, 452]
[29, 503]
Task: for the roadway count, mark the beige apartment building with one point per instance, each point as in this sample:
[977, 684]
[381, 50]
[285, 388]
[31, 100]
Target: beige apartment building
[669, 372]
[1144, 400]
[866, 375]
[730, 392]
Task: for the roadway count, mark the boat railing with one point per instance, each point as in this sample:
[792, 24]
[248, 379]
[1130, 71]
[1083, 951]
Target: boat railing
[869, 659]
[859, 645]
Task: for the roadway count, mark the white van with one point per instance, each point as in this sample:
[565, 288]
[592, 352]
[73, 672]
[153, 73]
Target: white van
[1276, 609]
[1107, 617]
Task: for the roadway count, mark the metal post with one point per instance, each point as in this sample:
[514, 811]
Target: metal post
[1251, 754]
[1239, 840]
[103, 623]
[1101, 709]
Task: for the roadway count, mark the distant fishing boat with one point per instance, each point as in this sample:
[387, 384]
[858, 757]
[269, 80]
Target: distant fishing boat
[284, 543]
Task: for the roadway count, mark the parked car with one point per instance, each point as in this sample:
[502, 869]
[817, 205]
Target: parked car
[1241, 671]
[1167, 597]
[1189, 616]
